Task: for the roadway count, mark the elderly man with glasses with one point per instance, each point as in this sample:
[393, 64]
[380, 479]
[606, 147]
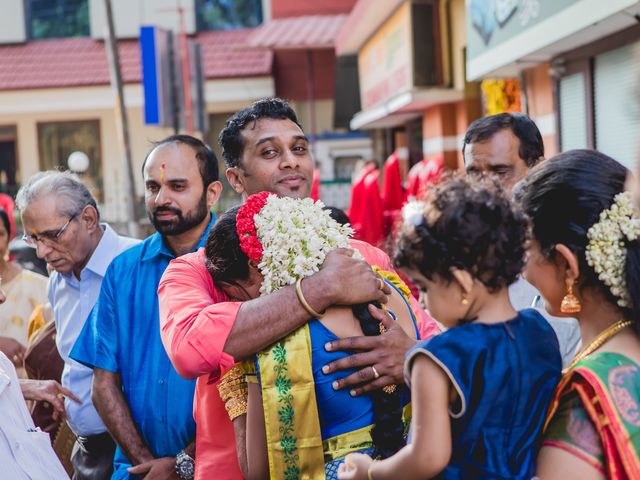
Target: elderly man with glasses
[61, 221]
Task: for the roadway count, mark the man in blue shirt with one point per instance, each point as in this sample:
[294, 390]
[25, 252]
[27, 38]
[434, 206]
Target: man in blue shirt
[61, 221]
[146, 405]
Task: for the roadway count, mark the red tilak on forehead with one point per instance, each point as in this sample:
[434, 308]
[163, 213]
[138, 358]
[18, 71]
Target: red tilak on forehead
[163, 168]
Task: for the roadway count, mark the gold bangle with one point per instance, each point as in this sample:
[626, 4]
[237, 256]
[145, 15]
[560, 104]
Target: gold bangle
[235, 408]
[369, 474]
[304, 302]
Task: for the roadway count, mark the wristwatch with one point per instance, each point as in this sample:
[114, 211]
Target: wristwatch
[185, 466]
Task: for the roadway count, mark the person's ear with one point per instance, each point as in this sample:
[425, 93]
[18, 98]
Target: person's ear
[235, 178]
[89, 217]
[569, 261]
[463, 279]
[213, 193]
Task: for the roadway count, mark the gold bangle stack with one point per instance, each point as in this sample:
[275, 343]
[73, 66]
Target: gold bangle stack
[234, 392]
[304, 303]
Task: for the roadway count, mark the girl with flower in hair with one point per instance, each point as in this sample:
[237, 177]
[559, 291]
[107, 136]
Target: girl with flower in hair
[297, 425]
[480, 390]
[585, 261]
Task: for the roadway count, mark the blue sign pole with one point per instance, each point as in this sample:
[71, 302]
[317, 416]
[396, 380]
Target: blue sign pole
[149, 62]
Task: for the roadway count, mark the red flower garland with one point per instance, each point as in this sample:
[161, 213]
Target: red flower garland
[246, 227]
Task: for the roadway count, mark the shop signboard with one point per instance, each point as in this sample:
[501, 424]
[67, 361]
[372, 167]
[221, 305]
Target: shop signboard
[500, 33]
[385, 62]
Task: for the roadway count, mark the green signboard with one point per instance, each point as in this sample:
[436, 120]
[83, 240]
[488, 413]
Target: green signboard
[494, 22]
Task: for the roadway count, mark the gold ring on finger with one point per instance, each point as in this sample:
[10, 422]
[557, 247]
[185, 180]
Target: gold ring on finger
[376, 375]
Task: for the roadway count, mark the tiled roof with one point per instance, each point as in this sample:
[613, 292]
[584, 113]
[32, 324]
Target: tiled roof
[82, 61]
[225, 54]
[311, 31]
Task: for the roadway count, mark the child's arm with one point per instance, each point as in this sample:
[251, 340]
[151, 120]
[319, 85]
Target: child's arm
[430, 450]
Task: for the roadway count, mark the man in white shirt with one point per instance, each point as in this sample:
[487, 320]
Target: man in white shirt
[61, 221]
[25, 451]
[508, 145]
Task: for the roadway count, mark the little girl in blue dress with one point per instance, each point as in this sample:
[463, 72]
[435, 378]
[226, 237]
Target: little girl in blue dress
[481, 389]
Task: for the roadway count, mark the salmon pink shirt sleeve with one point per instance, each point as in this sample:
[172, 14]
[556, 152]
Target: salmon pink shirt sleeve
[195, 317]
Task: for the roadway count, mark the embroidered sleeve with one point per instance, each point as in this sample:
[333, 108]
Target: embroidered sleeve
[571, 430]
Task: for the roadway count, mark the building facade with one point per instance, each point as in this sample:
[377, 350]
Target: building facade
[413, 90]
[56, 97]
[578, 64]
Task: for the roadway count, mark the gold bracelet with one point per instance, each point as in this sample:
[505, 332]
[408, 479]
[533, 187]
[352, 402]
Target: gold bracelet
[369, 474]
[304, 303]
[235, 408]
[232, 384]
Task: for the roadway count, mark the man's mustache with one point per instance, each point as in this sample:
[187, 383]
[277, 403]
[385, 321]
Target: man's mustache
[158, 210]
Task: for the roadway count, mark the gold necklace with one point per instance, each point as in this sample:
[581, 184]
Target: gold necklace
[600, 340]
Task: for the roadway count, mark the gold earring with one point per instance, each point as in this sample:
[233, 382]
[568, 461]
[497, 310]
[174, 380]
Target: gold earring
[465, 300]
[570, 303]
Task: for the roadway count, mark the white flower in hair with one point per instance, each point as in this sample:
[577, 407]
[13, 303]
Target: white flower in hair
[296, 236]
[413, 213]
[606, 252]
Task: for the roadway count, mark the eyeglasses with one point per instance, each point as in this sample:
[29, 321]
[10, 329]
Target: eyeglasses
[49, 237]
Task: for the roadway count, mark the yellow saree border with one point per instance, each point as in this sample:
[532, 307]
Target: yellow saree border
[294, 439]
[342, 445]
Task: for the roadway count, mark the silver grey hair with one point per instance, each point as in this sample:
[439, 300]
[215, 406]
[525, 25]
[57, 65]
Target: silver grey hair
[71, 194]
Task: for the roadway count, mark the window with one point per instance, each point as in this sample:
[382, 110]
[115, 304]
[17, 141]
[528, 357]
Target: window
[8, 160]
[228, 14]
[617, 112]
[57, 140]
[57, 18]
[573, 112]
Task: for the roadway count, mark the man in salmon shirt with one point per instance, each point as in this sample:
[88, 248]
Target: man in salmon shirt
[266, 150]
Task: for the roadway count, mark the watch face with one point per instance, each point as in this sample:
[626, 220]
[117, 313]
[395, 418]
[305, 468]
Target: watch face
[185, 468]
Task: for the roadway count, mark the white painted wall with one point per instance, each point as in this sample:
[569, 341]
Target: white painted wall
[129, 15]
[26, 108]
[12, 22]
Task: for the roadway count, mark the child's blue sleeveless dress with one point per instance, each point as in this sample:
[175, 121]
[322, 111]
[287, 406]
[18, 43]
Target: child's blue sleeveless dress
[505, 374]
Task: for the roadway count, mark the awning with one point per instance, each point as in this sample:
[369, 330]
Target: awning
[403, 107]
[306, 32]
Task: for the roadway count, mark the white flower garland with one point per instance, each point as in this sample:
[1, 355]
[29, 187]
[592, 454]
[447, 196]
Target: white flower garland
[606, 252]
[296, 236]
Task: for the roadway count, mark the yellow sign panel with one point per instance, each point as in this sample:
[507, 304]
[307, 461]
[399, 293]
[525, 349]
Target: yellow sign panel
[385, 62]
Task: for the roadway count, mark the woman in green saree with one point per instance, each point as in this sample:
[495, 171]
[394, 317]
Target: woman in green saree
[585, 261]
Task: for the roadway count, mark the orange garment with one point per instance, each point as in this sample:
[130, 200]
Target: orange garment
[195, 322]
[423, 174]
[366, 211]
